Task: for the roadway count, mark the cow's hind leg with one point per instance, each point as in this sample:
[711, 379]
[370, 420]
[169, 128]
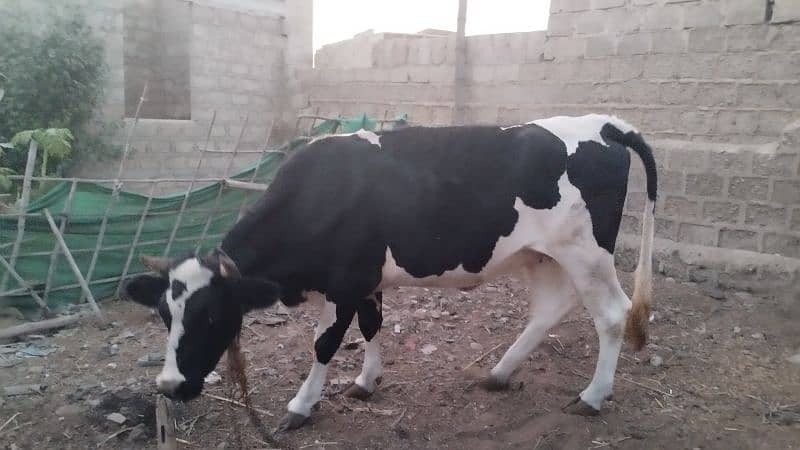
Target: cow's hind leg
[551, 296]
[331, 328]
[370, 319]
[595, 277]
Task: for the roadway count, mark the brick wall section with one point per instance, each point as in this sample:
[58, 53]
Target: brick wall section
[714, 86]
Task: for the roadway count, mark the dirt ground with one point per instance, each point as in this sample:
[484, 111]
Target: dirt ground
[715, 375]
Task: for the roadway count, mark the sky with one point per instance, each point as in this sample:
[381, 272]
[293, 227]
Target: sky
[337, 20]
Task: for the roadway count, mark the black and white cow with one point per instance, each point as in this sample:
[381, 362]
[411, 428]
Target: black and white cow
[348, 216]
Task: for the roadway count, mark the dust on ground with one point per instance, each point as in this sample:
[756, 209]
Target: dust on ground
[716, 374]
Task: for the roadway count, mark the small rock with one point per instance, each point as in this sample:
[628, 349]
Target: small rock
[794, 359]
[656, 361]
[758, 336]
[397, 328]
[420, 314]
[36, 370]
[213, 378]
[717, 293]
[69, 410]
[427, 349]
[436, 314]
[737, 330]
[669, 279]
[113, 349]
[94, 402]
[151, 359]
[475, 346]
[117, 418]
[111, 365]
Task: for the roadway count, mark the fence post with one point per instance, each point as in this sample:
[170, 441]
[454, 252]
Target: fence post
[23, 210]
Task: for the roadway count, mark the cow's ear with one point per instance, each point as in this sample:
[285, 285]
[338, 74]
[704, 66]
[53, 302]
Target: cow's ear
[146, 289]
[254, 293]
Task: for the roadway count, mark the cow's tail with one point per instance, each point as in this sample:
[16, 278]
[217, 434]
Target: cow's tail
[639, 315]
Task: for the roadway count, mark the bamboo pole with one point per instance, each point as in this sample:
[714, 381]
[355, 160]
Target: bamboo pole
[135, 241]
[227, 173]
[24, 284]
[257, 168]
[244, 185]
[51, 269]
[191, 186]
[23, 206]
[38, 327]
[73, 265]
[117, 187]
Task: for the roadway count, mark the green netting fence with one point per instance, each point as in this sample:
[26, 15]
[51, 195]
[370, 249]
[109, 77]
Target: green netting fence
[136, 224]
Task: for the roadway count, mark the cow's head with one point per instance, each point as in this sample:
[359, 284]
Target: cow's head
[202, 302]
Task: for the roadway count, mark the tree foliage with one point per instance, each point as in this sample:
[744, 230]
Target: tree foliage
[53, 75]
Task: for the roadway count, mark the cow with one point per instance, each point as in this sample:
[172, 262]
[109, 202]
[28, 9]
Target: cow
[348, 216]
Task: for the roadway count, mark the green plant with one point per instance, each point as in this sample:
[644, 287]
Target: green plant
[52, 84]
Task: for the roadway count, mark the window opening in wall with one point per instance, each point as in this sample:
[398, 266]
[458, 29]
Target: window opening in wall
[156, 50]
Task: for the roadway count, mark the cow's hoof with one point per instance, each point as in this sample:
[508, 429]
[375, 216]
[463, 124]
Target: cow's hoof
[357, 392]
[580, 408]
[291, 421]
[493, 384]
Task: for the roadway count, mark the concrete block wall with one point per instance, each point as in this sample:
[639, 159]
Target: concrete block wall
[713, 84]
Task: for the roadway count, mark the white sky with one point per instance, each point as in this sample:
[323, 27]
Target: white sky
[337, 20]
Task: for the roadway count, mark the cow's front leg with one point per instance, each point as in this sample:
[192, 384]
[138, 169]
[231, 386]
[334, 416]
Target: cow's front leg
[333, 324]
[370, 319]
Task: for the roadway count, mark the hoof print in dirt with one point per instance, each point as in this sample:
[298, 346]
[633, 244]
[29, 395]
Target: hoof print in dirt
[291, 421]
[493, 384]
[580, 408]
[357, 392]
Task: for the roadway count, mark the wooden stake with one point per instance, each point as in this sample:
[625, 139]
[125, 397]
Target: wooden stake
[165, 424]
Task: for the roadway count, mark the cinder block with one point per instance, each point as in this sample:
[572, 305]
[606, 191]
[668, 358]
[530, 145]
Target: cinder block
[706, 185]
[607, 4]
[698, 121]
[779, 66]
[533, 72]
[786, 192]
[534, 47]
[590, 22]
[795, 222]
[744, 12]
[564, 48]
[782, 244]
[634, 44]
[760, 95]
[730, 162]
[660, 18]
[681, 207]
[707, 40]
[561, 24]
[666, 229]
[774, 164]
[748, 188]
[772, 123]
[689, 160]
[599, 46]
[739, 239]
[557, 6]
[506, 73]
[697, 234]
[765, 215]
[670, 41]
[784, 11]
[671, 182]
[753, 37]
[626, 68]
[703, 15]
[679, 93]
[716, 93]
[661, 66]
[720, 212]
[738, 65]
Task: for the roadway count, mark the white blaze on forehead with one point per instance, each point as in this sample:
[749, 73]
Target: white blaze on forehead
[194, 276]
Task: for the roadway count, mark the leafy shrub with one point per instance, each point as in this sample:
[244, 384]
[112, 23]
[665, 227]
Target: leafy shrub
[54, 81]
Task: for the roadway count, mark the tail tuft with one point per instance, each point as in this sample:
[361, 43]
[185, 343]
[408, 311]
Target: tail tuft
[636, 326]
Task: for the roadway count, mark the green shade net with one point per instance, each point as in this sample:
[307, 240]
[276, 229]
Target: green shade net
[89, 204]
